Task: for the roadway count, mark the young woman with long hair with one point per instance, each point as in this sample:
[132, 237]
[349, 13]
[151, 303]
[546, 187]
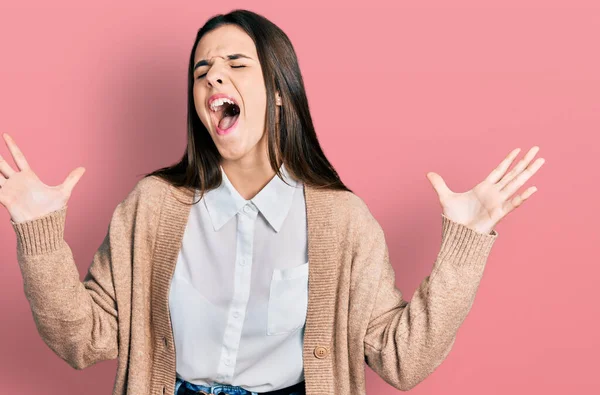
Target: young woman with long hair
[248, 267]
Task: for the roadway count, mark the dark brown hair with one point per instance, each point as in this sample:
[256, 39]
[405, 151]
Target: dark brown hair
[294, 142]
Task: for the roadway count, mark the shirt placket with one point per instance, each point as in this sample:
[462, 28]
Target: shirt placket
[246, 219]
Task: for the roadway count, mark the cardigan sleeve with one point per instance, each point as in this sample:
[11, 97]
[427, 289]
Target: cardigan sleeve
[406, 341]
[78, 320]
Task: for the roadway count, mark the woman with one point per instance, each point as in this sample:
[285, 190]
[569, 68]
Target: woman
[249, 267]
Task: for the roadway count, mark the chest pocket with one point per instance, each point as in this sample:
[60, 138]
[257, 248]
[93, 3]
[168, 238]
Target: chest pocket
[288, 300]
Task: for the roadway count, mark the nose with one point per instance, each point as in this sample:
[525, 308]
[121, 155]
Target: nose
[215, 75]
[215, 81]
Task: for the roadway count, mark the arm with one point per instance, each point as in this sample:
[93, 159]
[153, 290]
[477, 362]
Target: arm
[77, 320]
[406, 341]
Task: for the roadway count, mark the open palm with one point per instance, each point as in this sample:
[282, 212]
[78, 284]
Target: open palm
[488, 202]
[23, 194]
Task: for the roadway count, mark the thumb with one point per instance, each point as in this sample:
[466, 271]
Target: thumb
[438, 184]
[72, 179]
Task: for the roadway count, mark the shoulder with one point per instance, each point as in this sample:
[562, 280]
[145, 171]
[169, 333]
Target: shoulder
[148, 186]
[343, 201]
[359, 232]
[352, 214]
[363, 220]
[151, 184]
[354, 207]
[139, 211]
[146, 195]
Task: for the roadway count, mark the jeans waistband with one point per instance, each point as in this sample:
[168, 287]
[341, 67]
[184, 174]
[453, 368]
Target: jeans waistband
[183, 387]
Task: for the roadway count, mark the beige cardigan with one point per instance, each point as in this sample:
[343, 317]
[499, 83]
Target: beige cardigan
[355, 312]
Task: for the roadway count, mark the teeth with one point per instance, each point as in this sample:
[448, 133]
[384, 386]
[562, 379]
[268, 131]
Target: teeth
[217, 103]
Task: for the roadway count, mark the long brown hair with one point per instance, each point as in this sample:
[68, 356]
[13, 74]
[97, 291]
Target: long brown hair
[294, 142]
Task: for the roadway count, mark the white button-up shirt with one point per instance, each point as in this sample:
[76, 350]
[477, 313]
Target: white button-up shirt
[239, 294]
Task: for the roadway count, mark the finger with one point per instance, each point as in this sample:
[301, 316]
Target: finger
[523, 163]
[495, 175]
[16, 153]
[518, 200]
[522, 178]
[438, 184]
[5, 168]
[72, 180]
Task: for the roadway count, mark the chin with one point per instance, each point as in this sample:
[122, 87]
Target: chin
[232, 153]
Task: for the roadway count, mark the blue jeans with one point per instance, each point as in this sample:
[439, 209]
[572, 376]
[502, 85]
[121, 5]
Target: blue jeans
[183, 387]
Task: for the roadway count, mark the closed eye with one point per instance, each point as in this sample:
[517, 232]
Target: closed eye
[233, 67]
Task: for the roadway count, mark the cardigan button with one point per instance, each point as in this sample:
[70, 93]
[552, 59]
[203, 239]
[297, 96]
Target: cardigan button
[320, 352]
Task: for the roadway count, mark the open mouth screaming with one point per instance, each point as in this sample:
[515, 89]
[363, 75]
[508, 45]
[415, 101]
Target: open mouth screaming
[225, 112]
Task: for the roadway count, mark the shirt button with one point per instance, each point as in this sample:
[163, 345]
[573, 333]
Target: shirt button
[228, 362]
[247, 209]
[236, 314]
[243, 262]
[320, 352]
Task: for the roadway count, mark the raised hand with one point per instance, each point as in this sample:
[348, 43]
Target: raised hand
[24, 195]
[488, 202]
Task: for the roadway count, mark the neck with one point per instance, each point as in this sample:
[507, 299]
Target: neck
[248, 177]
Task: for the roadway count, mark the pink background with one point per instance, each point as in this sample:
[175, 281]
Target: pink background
[396, 90]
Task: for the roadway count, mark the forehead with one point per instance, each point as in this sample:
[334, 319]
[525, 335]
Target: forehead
[223, 41]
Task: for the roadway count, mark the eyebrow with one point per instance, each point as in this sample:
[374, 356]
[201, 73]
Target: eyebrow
[234, 56]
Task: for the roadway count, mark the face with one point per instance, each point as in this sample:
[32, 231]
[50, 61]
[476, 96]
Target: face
[240, 78]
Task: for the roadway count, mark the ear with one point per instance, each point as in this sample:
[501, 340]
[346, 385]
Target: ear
[277, 99]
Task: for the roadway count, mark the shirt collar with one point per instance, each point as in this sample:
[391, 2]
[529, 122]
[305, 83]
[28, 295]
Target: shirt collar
[273, 201]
